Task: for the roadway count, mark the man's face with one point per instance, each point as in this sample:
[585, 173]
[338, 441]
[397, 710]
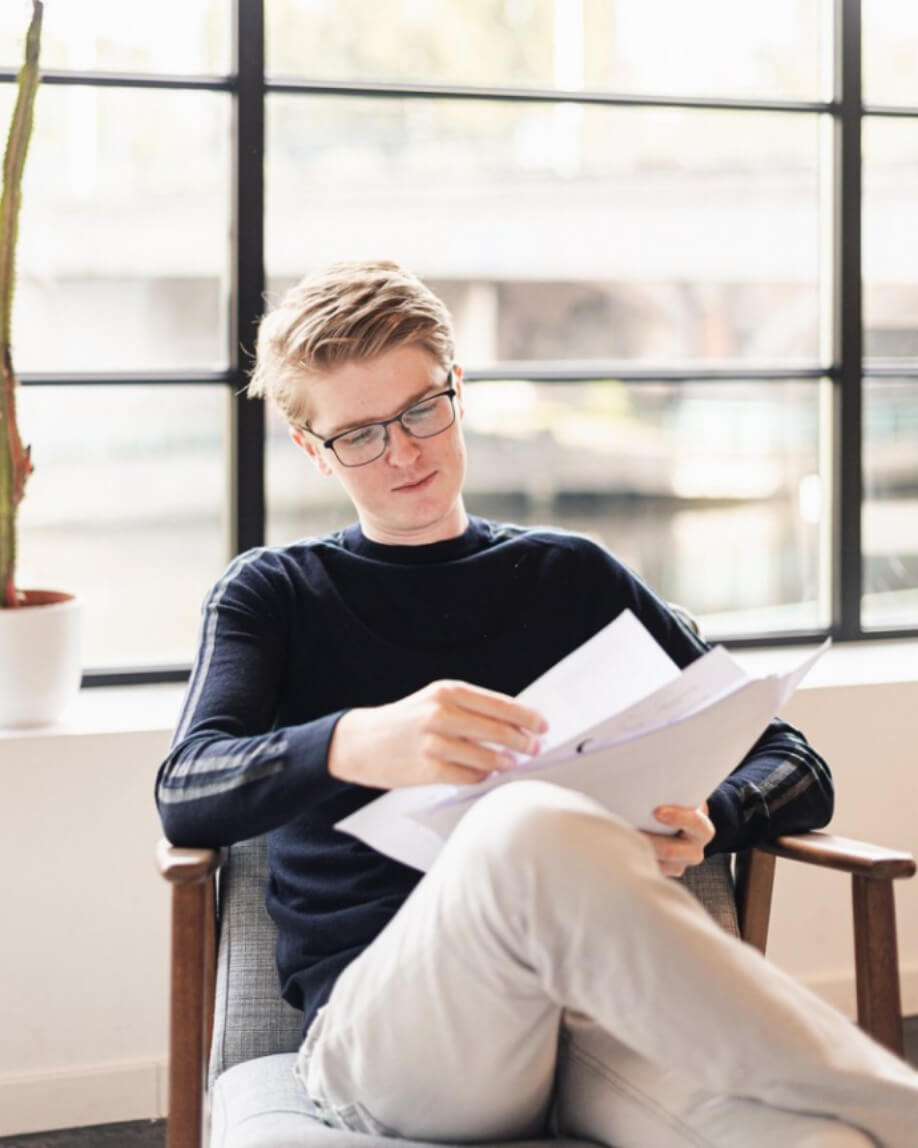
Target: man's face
[411, 494]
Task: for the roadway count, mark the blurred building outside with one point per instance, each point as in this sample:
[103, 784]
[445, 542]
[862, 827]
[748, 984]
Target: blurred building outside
[558, 235]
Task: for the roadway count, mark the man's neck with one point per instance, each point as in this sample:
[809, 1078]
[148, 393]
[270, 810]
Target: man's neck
[452, 525]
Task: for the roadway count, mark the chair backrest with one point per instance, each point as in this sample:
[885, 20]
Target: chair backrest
[251, 1019]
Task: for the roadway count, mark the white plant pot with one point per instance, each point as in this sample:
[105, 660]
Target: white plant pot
[40, 662]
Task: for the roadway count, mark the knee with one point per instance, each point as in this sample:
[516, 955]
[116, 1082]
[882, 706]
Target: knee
[536, 822]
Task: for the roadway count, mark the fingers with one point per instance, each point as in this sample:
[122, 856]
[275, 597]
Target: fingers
[449, 774]
[480, 724]
[692, 823]
[459, 751]
[502, 709]
[463, 724]
[447, 732]
[677, 853]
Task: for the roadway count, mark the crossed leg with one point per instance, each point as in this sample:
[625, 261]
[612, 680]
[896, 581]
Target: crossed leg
[544, 910]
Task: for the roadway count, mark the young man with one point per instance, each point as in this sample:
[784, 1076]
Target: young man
[544, 973]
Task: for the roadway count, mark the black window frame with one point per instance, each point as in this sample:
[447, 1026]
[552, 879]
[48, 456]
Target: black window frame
[250, 88]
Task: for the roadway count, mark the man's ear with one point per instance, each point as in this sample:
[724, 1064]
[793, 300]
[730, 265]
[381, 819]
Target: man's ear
[309, 447]
[457, 384]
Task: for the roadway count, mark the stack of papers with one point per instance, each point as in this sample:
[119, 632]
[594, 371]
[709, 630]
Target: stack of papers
[626, 727]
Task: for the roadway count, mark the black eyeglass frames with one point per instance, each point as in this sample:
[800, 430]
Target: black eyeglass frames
[424, 418]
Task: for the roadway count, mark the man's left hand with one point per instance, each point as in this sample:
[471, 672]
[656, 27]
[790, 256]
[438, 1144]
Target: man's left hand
[695, 830]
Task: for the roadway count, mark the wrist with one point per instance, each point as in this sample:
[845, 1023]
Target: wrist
[342, 761]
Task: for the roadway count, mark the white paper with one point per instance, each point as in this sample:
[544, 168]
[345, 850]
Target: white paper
[713, 674]
[792, 680]
[673, 763]
[657, 737]
[388, 825]
[614, 668]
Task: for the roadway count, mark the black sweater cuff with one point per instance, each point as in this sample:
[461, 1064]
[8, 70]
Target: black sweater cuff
[727, 816]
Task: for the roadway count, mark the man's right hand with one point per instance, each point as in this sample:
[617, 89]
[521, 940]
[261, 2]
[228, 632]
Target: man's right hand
[449, 731]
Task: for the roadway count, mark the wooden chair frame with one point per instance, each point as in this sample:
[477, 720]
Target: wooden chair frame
[192, 872]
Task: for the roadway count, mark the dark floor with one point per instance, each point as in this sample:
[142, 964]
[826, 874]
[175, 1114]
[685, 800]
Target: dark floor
[152, 1133]
[137, 1134]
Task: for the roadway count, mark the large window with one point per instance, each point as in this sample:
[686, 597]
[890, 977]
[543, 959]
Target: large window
[679, 242]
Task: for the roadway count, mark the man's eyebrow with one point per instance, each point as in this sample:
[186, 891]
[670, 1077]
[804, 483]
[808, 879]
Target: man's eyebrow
[431, 388]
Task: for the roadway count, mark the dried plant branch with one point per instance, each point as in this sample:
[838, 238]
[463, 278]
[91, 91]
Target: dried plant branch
[15, 459]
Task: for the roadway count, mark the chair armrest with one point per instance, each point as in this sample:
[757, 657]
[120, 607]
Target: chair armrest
[186, 866]
[872, 868]
[190, 872]
[855, 857]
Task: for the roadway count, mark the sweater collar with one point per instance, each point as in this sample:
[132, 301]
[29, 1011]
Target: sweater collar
[472, 539]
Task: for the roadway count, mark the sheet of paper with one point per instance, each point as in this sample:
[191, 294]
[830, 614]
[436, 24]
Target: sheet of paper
[609, 672]
[672, 746]
[793, 679]
[712, 675]
[388, 826]
[675, 763]
[674, 760]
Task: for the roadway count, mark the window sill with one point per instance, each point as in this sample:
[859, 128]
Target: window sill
[111, 710]
[155, 709]
[878, 663]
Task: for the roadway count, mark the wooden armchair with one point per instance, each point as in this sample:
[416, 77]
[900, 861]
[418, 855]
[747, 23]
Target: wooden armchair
[192, 874]
[876, 958]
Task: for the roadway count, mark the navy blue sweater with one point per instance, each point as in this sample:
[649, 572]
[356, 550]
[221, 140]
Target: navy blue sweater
[294, 636]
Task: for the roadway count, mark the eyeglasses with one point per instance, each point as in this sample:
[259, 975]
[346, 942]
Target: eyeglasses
[429, 416]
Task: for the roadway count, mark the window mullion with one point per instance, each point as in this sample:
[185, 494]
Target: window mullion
[247, 419]
[847, 572]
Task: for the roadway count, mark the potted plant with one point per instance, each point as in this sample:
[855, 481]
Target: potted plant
[39, 629]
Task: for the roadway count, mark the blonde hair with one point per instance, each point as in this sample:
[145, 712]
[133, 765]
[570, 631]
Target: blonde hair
[349, 311]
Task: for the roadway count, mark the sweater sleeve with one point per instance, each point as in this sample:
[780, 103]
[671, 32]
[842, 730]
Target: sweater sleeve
[230, 773]
[782, 785]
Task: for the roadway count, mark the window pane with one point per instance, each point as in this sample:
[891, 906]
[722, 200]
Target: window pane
[890, 45]
[563, 232]
[890, 516]
[890, 237]
[712, 491]
[126, 507]
[124, 232]
[706, 47]
[178, 36]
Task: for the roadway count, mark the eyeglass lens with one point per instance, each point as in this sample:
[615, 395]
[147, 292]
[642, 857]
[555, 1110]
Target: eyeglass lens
[422, 420]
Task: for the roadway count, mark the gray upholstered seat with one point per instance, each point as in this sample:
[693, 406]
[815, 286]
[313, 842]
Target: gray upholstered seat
[256, 1102]
[259, 1104]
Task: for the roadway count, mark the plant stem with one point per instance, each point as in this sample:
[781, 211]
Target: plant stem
[15, 460]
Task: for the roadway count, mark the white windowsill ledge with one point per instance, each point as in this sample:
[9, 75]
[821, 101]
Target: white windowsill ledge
[111, 710]
[844, 664]
[154, 709]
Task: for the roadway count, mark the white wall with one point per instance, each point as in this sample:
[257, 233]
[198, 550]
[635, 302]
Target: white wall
[84, 949]
[866, 733]
[83, 959]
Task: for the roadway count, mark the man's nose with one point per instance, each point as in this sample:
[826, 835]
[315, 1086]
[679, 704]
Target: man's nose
[403, 448]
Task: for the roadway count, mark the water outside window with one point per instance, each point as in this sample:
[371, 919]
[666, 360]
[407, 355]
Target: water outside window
[712, 492]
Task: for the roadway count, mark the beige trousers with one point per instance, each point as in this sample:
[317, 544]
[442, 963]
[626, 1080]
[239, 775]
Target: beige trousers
[544, 977]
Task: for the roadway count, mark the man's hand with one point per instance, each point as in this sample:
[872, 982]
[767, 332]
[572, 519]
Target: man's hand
[446, 732]
[676, 854]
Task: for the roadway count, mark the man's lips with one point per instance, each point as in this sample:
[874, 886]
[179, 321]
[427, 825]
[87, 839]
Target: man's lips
[421, 482]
